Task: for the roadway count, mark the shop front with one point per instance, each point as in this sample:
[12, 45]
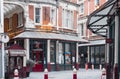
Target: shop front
[64, 59]
[105, 22]
[92, 53]
[15, 59]
[51, 51]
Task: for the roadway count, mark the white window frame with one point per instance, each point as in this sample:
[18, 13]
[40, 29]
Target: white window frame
[53, 16]
[20, 19]
[10, 23]
[63, 17]
[82, 8]
[82, 29]
[72, 20]
[97, 2]
[40, 16]
[67, 19]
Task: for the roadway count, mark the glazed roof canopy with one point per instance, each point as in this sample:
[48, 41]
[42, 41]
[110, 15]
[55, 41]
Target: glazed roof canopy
[11, 7]
[98, 21]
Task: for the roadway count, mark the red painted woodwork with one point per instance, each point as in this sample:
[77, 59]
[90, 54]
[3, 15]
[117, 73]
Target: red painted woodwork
[49, 66]
[39, 59]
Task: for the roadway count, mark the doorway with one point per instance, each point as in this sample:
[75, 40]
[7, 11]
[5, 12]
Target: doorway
[15, 62]
[39, 59]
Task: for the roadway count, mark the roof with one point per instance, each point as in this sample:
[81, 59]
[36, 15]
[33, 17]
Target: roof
[98, 20]
[56, 36]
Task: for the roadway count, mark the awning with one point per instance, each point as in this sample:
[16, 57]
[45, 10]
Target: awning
[97, 21]
[67, 52]
[44, 35]
[94, 42]
[17, 52]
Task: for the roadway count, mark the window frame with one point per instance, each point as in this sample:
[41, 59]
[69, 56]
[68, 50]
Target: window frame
[82, 8]
[53, 16]
[40, 15]
[20, 19]
[67, 22]
[97, 2]
[10, 23]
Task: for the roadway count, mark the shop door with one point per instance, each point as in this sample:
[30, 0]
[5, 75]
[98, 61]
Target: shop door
[15, 62]
[39, 59]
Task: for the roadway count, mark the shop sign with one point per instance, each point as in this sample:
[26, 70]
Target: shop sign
[108, 40]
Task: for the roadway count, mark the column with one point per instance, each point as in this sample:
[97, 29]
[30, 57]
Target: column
[57, 55]
[77, 54]
[27, 46]
[2, 65]
[116, 47]
[107, 54]
[48, 55]
[88, 53]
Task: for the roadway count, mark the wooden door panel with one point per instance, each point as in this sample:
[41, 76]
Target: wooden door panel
[38, 58]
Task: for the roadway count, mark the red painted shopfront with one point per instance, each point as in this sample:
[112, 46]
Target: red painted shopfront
[16, 59]
[38, 57]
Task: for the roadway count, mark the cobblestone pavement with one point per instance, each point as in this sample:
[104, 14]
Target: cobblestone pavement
[81, 74]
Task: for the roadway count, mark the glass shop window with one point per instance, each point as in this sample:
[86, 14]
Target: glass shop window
[52, 52]
[61, 56]
[67, 54]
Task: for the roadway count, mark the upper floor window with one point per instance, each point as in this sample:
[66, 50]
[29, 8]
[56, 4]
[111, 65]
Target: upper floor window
[82, 29]
[97, 2]
[20, 19]
[53, 16]
[37, 15]
[67, 19]
[81, 8]
[10, 23]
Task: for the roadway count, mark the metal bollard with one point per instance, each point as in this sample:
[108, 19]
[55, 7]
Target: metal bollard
[92, 67]
[45, 74]
[86, 66]
[100, 67]
[16, 74]
[103, 73]
[74, 73]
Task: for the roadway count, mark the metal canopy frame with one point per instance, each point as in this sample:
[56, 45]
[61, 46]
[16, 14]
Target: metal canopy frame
[98, 20]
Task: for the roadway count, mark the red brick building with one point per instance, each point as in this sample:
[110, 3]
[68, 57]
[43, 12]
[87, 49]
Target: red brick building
[47, 30]
[94, 51]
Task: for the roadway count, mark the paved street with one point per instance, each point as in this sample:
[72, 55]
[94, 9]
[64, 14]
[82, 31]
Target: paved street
[81, 74]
